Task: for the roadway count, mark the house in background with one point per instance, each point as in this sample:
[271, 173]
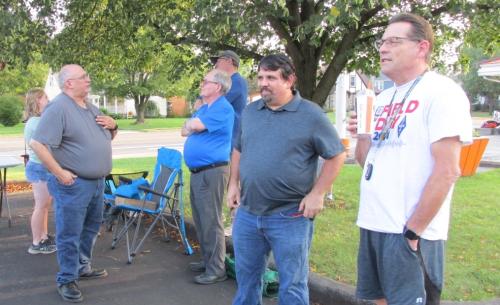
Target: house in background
[353, 82]
[124, 107]
[490, 69]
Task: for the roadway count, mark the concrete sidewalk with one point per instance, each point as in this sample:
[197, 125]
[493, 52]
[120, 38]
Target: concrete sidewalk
[159, 276]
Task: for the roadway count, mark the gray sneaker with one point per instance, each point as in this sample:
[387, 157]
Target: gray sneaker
[46, 246]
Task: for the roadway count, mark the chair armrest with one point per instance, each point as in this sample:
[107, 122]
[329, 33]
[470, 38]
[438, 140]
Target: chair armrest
[148, 190]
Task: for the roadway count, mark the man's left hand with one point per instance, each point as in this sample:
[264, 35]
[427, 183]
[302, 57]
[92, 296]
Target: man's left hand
[311, 205]
[105, 121]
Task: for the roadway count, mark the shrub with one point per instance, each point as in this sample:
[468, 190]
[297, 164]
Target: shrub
[104, 111]
[11, 110]
[152, 110]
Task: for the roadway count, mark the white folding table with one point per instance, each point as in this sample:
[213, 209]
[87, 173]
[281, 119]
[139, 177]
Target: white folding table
[5, 163]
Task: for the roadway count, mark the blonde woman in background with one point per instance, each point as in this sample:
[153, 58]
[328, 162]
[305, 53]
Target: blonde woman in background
[37, 175]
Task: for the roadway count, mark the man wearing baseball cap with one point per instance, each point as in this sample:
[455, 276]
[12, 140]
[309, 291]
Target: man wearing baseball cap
[228, 61]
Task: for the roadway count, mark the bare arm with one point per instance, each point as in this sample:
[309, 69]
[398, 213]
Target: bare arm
[233, 188]
[312, 204]
[446, 154]
[192, 125]
[363, 140]
[64, 176]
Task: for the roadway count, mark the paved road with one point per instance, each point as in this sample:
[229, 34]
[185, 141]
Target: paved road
[158, 276]
[143, 144]
[126, 144]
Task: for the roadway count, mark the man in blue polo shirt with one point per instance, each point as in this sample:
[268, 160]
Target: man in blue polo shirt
[206, 153]
[274, 161]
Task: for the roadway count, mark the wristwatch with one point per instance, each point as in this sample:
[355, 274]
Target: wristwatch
[409, 234]
[116, 128]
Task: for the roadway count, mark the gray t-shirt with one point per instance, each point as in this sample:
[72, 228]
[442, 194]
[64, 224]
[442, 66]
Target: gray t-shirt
[76, 141]
[279, 153]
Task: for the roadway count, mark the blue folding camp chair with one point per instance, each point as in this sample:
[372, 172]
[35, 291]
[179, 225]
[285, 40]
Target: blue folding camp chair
[111, 183]
[162, 200]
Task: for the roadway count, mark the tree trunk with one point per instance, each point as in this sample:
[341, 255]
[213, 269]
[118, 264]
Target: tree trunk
[140, 108]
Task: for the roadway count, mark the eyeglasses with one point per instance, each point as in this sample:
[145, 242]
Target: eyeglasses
[206, 81]
[83, 77]
[392, 41]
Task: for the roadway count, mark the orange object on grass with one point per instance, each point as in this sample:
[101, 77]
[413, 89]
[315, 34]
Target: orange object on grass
[471, 155]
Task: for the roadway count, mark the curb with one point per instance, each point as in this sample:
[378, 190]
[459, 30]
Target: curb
[489, 163]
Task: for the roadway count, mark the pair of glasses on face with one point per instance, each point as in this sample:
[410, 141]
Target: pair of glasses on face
[392, 41]
[206, 81]
[82, 77]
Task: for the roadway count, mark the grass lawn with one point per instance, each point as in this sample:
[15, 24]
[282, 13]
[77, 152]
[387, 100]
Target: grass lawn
[125, 124]
[472, 252]
[481, 114]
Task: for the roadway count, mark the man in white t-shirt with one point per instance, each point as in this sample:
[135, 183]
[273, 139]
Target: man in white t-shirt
[410, 164]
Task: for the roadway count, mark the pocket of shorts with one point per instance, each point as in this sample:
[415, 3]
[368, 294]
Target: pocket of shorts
[407, 246]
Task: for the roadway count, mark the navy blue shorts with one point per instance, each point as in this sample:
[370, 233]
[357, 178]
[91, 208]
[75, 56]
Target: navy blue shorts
[36, 172]
[389, 269]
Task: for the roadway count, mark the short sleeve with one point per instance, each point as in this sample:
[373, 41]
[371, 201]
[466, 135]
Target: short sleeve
[449, 114]
[216, 116]
[325, 138]
[51, 126]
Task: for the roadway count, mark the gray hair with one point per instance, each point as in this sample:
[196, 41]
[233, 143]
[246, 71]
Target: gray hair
[63, 76]
[223, 79]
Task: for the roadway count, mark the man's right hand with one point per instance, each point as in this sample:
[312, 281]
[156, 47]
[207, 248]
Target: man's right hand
[66, 177]
[233, 196]
[352, 124]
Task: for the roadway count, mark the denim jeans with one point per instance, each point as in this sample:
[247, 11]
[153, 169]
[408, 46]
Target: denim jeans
[79, 210]
[288, 235]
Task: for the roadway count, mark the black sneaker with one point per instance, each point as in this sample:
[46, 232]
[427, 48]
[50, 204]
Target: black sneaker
[70, 292]
[206, 279]
[94, 274]
[45, 246]
[51, 238]
[197, 266]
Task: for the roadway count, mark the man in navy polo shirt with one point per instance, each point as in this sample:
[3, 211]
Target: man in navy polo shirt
[274, 161]
[206, 153]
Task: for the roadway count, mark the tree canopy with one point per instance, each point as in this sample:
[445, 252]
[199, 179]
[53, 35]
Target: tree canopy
[475, 85]
[323, 37]
[124, 55]
[25, 27]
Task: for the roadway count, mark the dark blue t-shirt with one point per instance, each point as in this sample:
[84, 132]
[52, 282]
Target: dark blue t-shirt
[213, 144]
[238, 98]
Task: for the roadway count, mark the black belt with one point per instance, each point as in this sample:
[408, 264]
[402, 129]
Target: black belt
[195, 170]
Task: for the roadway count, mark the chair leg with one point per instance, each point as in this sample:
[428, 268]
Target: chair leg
[136, 245]
[127, 222]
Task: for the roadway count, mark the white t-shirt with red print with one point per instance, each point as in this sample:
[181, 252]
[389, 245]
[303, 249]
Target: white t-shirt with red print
[436, 108]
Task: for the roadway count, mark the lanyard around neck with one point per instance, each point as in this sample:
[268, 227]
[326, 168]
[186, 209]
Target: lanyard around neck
[391, 118]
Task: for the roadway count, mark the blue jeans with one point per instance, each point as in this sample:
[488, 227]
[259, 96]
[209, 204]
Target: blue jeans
[289, 236]
[79, 210]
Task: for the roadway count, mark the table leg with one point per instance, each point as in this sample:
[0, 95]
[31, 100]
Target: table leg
[3, 194]
[1, 190]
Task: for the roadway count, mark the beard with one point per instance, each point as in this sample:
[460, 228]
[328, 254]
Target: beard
[267, 97]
